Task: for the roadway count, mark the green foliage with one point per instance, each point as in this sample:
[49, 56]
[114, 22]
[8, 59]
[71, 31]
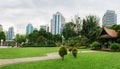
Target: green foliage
[78, 41]
[62, 51]
[90, 27]
[70, 49]
[51, 43]
[84, 41]
[73, 41]
[19, 39]
[81, 47]
[74, 52]
[95, 45]
[42, 38]
[2, 36]
[57, 38]
[115, 47]
[69, 30]
[117, 29]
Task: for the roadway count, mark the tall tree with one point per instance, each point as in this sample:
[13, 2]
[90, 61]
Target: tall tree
[89, 28]
[69, 30]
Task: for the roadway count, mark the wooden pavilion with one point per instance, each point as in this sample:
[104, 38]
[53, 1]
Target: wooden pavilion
[106, 36]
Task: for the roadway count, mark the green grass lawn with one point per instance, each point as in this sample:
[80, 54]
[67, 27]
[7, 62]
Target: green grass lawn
[25, 52]
[94, 60]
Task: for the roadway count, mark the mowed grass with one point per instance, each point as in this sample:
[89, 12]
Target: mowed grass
[6, 53]
[93, 60]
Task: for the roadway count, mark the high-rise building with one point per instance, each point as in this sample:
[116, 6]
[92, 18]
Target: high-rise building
[45, 27]
[57, 23]
[1, 28]
[109, 18]
[29, 28]
[10, 33]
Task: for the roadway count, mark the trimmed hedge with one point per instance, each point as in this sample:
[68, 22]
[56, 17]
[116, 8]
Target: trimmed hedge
[74, 52]
[62, 51]
[95, 45]
[115, 46]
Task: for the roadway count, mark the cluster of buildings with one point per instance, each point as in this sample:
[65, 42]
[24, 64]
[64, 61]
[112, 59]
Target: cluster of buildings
[57, 23]
[9, 34]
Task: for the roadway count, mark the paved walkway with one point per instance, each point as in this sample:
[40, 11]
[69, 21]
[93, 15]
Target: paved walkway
[19, 60]
[5, 47]
[53, 55]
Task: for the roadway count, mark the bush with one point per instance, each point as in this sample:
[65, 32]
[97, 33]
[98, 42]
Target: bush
[95, 45]
[115, 46]
[82, 47]
[74, 52]
[70, 49]
[84, 41]
[51, 44]
[62, 51]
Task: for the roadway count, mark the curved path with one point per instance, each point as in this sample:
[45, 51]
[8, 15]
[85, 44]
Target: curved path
[19, 60]
[53, 55]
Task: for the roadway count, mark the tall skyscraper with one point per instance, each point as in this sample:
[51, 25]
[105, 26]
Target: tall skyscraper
[57, 23]
[10, 33]
[1, 28]
[109, 18]
[29, 28]
[45, 27]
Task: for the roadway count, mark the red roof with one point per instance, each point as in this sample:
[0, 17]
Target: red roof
[109, 33]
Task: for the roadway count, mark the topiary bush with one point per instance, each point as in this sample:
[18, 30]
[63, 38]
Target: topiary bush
[70, 49]
[95, 45]
[62, 51]
[115, 46]
[74, 52]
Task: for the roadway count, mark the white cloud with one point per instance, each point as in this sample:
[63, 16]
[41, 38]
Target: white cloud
[19, 13]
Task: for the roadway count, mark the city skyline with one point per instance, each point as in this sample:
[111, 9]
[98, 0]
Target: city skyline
[18, 13]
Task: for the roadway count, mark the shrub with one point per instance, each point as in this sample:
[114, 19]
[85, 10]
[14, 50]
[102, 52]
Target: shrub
[115, 46]
[95, 45]
[82, 47]
[70, 49]
[74, 52]
[51, 44]
[62, 51]
[84, 41]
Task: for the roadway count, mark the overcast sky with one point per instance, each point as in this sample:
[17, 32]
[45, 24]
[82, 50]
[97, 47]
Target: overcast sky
[18, 13]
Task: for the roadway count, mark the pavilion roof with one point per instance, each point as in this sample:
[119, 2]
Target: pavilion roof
[108, 33]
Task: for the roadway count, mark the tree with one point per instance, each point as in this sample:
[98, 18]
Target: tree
[117, 29]
[42, 38]
[69, 30]
[20, 39]
[42, 41]
[89, 28]
[57, 38]
[2, 36]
